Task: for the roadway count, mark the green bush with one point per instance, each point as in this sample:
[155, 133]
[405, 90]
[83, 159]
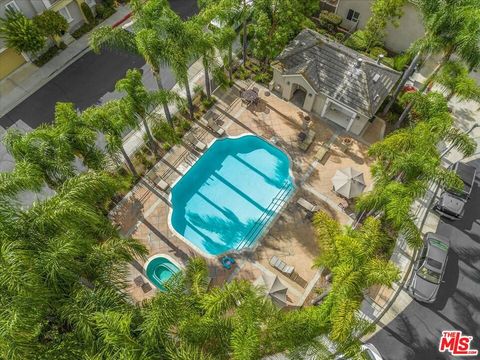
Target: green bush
[109, 3]
[357, 41]
[164, 133]
[376, 51]
[340, 36]
[82, 30]
[49, 54]
[51, 24]
[388, 61]
[87, 12]
[208, 102]
[263, 78]
[103, 11]
[330, 18]
[401, 61]
[198, 90]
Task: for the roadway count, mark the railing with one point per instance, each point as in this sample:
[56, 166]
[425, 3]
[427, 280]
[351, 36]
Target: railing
[259, 225]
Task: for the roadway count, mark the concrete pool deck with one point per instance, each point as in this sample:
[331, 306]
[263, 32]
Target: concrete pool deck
[143, 213]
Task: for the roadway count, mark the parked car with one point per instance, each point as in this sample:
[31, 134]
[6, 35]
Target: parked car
[430, 267]
[451, 203]
[370, 352]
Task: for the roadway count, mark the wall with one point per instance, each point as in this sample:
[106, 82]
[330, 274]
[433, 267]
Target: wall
[397, 39]
[76, 14]
[359, 124]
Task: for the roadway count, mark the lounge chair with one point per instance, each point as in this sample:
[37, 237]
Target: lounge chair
[215, 127]
[281, 265]
[321, 152]
[190, 138]
[307, 205]
[140, 282]
[162, 184]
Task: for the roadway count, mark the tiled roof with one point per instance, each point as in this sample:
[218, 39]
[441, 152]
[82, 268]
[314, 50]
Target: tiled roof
[332, 69]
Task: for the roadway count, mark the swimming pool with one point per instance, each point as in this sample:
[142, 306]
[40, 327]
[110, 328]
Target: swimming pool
[230, 195]
[159, 269]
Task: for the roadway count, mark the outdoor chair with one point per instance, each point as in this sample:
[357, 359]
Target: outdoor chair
[321, 152]
[255, 89]
[190, 138]
[140, 282]
[307, 140]
[162, 184]
[307, 205]
[282, 266]
[215, 127]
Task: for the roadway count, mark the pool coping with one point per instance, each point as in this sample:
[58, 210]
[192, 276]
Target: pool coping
[264, 230]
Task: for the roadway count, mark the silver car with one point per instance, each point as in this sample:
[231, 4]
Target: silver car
[430, 267]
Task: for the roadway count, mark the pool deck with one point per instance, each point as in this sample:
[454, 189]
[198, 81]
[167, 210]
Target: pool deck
[143, 213]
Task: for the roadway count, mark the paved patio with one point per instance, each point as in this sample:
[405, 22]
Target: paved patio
[144, 212]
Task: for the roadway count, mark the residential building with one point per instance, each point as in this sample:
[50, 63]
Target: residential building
[10, 59]
[332, 81]
[355, 14]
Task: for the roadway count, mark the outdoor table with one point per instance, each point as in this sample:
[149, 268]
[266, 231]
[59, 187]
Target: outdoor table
[250, 95]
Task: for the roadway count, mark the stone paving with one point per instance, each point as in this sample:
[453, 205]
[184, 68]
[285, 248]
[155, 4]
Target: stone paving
[143, 213]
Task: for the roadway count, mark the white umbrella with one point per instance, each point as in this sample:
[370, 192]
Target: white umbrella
[348, 182]
[275, 289]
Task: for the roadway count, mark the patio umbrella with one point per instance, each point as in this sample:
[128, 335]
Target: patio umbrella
[348, 182]
[275, 289]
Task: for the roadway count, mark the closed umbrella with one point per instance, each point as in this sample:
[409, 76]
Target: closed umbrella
[275, 289]
[348, 182]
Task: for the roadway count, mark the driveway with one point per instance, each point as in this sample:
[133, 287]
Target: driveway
[89, 80]
[415, 333]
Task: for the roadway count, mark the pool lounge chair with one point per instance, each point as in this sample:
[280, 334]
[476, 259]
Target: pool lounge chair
[215, 127]
[307, 205]
[140, 282]
[281, 265]
[190, 138]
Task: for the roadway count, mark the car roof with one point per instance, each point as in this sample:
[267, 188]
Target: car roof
[452, 203]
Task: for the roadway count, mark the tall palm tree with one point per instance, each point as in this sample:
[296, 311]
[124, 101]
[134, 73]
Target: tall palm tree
[454, 78]
[110, 120]
[145, 40]
[355, 260]
[70, 127]
[136, 102]
[451, 27]
[42, 148]
[62, 261]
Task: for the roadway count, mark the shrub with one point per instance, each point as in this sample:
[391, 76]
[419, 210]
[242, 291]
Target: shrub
[51, 24]
[208, 102]
[340, 36]
[330, 18]
[357, 41]
[263, 78]
[88, 13]
[376, 51]
[401, 61]
[49, 54]
[109, 3]
[82, 30]
[388, 61]
[100, 9]
[198, 90]
[21, 33]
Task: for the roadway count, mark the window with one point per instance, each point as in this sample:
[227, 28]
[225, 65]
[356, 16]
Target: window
[91, 3]
[66, 14]
[12, 5]
[353, 15]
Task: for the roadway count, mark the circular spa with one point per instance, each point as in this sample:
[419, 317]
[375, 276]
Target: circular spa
[159, 269]
[227, 199]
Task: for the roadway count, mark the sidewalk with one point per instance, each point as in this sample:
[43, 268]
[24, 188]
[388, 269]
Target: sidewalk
[29, 78]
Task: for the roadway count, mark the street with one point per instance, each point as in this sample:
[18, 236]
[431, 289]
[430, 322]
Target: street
[88, 80]
[415, 333]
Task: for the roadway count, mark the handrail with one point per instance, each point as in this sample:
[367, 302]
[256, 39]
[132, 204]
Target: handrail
[259, 225]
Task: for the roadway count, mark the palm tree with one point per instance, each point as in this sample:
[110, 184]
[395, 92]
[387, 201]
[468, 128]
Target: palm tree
[451, 27]
[224, 39]
[454, 78]
[62, 261]
[42, 148]
[111, 120]
[70, 127]
[355, 260]
[136, 102]
[145, 41]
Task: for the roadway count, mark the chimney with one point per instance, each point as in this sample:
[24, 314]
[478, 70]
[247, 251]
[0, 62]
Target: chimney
[358, 63]
[380, 58]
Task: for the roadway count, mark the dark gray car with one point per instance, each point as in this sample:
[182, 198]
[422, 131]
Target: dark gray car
[429, 268]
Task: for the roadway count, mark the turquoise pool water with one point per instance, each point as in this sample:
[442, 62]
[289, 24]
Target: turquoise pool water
[159, 270]
[225, 201]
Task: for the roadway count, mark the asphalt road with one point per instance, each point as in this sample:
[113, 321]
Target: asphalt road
[89, 80]
[416, 332]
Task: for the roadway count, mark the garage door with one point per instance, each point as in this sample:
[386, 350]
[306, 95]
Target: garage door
[9, 61]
